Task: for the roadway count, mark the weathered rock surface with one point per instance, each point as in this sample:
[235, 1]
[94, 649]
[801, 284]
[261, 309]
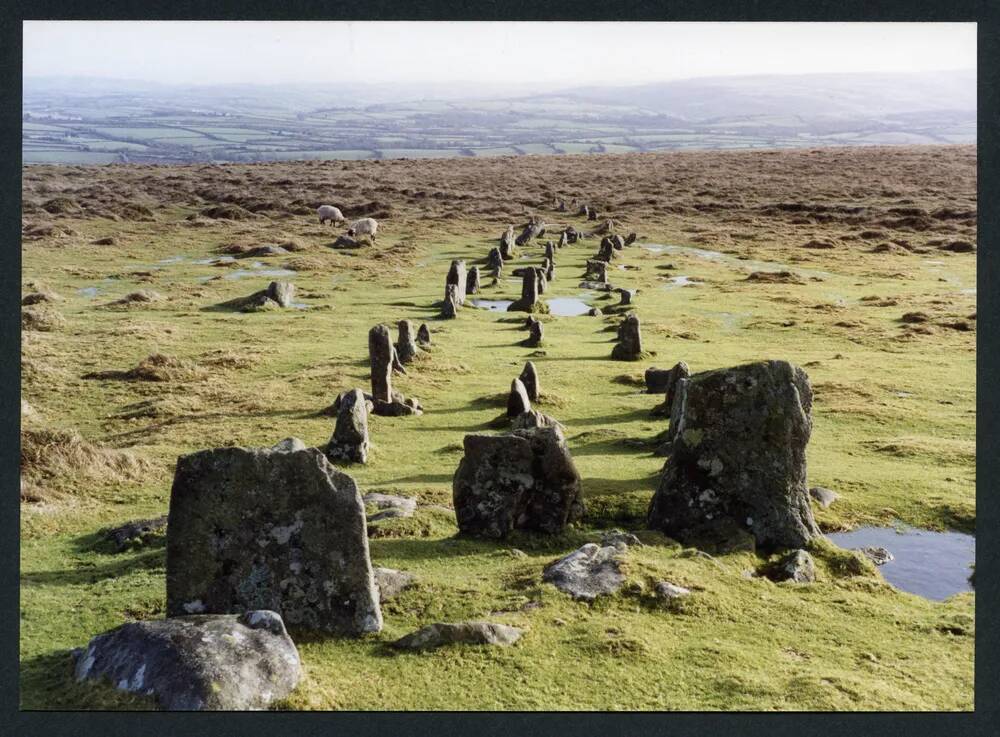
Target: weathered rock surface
[406, 345]
[670, 591]
[391, 583]
[423, 335]
[626, 296]
[536, 334]
[666, 380]
[529, 301]
[588, 572]
[619, 537]
[529, 377]
[823, 496]
[534, 418]
[518, 400]
[472, 284]
[629, 345]
[390, 506]
[265, 528]
[350, 435]
[459, 633]
[737, 458]
[194, 663]
[524, 480]
[451, 305]
[876, 554]
[797, 566]
[136, 532]
[380, 355]
[457, 276]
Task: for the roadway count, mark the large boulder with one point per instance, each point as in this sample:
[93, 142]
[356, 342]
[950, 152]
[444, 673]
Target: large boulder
[588, 572]
[270, 528]
[201, 662]
[524, 480]
[350, 435]
[737, 459]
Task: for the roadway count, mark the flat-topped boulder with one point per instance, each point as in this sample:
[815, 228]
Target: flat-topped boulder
[198, 662]
[737, 458]
[522, 480]
[270, 528]
[588, 572]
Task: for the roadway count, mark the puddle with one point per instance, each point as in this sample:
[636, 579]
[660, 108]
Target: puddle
[934, 565]
[494, 305]
[734, 261]
[729, 321]
[567, 306]
[241, 273]
[298, 305]
[172, 260]
[216, 260]
[90, 292]
[678, 281]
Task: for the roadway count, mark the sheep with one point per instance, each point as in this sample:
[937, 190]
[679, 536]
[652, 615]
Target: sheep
[331, 213]
[364, 226]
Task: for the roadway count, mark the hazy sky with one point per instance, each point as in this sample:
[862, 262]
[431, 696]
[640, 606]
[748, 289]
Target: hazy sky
[554, 53]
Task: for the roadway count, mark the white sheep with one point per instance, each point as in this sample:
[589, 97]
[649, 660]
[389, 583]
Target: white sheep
[364, 226]
[331, 213]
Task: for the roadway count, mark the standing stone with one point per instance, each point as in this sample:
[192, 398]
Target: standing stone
[550, 251]
[397, 364]
[630, 238]
[424, 334]
[517, 401]
[550, 270]
[406, 347]
[535, 334]
[534, 229]
[617, 242]
[450, 307]
[591, 214]
[625, 296]
[572, 236]
[494, 260]
[282, 292]
[563, 241]
[529, 377]
[737, 460]
[543, 283]
[663, 381]
[198, 663]
[584, 210]
[606, 251]
[529, 301]
[507, 244]
[676, 407]
[629, 346]
[261, 528]
[472, 284]
[380, 354]
[597, 270]
[457, 276]
[524, 480]
[350, 435]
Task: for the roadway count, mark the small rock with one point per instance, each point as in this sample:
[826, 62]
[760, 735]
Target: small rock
[137, 531]
[588, 572]
[669, 591]
[876, 554]
[822, 496]
[796, 566]
[619, 537]
[466, 633]
[391, 583]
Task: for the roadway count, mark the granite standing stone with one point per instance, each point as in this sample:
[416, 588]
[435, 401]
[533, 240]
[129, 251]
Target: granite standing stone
[629, 346]
[518, 400]
[423, 335]
[457, 276]
[350, 435]
[380, 355]
[529, 377]
[406, 346]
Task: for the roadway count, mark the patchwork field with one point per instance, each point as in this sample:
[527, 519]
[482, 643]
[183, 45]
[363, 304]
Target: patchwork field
[117, 390]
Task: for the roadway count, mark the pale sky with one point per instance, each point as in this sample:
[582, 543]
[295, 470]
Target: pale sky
[544, 53]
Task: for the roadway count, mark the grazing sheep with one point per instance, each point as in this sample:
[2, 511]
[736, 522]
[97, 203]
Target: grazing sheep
[365, 226]
[331, 213]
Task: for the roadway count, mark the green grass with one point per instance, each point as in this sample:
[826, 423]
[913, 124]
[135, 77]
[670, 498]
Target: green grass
[843, 643]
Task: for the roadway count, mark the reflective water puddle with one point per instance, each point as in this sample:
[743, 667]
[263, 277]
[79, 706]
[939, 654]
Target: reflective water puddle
[567, 306]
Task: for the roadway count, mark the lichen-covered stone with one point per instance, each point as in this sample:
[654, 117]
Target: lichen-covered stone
[588, 572]
[524, 480]
[350, 435]
[518, 400]
[629, 345]
[380, 356]
[507, 243]
[201, 662]
[737, 457]
[391, 583]
[464, 633]
[457, 277]
[529, 377]
[423, 335]
[260, 528]
[136, 532]
[472, 284]
[796, 566]
[406, 345]
[529, 301]
[451, 305]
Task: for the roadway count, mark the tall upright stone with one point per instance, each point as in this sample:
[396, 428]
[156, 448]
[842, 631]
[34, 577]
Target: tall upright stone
[606, 251]
[550, 251]
[472, 285]
[738, 458]
[494, 260]
[350, 435]
[629, 346]
[406, 346]
[529, 301]
[529, 377]
[517, 400]
[543, 282]
[423, 335]
[563, 241]
[536, 334]
[270, 528]
[597, 270]
[457, 276]
[507, 243]
[380, 355]
[450, 307]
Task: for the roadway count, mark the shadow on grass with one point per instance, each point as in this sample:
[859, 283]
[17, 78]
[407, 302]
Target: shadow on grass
[148, 560]
[47, 683]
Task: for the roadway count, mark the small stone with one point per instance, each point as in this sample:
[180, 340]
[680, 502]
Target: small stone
[796, 566]
[670, 591]
[619, 537]
[822, 496]
[391, 583]
[876, 554]
[465, 633]
[588, 572]
[423, 335]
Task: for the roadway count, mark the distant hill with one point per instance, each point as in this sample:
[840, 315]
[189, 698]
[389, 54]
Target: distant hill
[79, 120]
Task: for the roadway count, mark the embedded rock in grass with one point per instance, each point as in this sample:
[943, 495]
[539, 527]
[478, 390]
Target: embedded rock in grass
[529, 377]
[737, 457]
[135, 532]
[518, 400]
[277, 294]
[391, 583]
[265, 528]
[524, 480]
[406, 346]
[423, 335]
[797, 566]
[345, 241]
[459, 633]
[458, 278]
[670, 591]
[472, 284]
[588, 572]
[350, 435]
[630, 238]
[629, 346]
[822, 496]
[619, 537]
[196, 663]
[390, 506]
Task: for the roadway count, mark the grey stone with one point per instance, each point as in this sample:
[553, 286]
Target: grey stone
[524, 480]
[630, 239]
[259, 528]
[606, 252]
[195, 663]
[507, 244]
[619, 537]
[625, 296]
[406, 346]
[534, 418]
[455, 633]
[797, 566]
[666, 381]
[494, 260]
[595, 312]
[350, 435]
[572, 236]
[529, 377]
[670, 591]
[550, 251]
[457, 277]
[518, 400]
[737, 460]
[549, 270]
[529, 301]
[391, 583]
[282, 292]
[824, 497]
[380, 355]
[472, 285]
[563, 240]
[597, 270]
[588, 572]
[876, 554]
[423, 335]
[390, 506]
[543, 282]
[451, 304]
[288, 445]
[629, 346]
[535, 335]
[136, 532]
